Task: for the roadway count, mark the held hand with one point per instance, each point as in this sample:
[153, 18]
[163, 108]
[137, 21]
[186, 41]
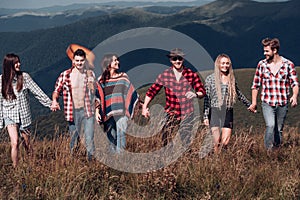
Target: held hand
[252, 108]
[145, 112]
[54, 106]
[206, 122]
[190, 95]
[293, 101]
[98, 117]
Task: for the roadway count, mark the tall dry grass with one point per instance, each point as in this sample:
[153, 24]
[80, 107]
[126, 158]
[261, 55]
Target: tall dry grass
[245, 170]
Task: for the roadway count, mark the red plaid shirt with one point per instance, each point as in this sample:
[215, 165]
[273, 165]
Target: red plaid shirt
[176, 101]
[275, 88]
[63, 86]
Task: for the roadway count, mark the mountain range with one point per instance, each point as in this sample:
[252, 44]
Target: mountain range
[235, 27]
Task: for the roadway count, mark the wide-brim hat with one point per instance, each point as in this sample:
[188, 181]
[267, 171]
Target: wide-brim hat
[90, 56]
[176, 52]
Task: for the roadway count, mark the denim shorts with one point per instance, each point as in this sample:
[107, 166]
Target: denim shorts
[8, 121]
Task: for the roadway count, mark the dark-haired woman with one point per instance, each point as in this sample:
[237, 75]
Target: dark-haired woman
[14, 103]
[117, 101]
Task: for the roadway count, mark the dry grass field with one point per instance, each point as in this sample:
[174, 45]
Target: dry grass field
[245, 170]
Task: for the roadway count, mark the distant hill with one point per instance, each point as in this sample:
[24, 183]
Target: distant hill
[230, 26]
[18, 20]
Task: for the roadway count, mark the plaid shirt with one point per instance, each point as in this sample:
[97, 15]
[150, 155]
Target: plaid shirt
[275, 88]
[176, 101]
[63, 86]
[18, 109]
[211, 97]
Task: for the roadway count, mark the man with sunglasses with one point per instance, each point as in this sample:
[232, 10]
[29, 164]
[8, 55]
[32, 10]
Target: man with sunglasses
[181, 86]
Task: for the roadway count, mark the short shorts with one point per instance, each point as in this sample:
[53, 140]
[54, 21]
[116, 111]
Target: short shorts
[222, 118]
[8, 121]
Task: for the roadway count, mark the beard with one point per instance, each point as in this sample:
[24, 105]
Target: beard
[270, 58]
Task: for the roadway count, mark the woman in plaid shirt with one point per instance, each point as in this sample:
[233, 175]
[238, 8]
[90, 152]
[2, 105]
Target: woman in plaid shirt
[221, 94]
[14, 103]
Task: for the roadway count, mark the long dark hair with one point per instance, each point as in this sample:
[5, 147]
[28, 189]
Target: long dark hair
[8, 74]
[106, 64]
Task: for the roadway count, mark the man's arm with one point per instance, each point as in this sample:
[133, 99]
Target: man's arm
[145, 109]
[55, 105]
[293, 99]
[253, 106]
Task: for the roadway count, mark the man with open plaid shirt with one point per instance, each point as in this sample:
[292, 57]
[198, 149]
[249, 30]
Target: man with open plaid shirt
[78, 100]
[181, 86]
[276, 75]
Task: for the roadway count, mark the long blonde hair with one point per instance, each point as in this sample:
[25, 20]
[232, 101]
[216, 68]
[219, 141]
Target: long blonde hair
[231, 97]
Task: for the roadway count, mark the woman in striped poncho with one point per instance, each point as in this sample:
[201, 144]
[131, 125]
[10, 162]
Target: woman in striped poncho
[117, 99]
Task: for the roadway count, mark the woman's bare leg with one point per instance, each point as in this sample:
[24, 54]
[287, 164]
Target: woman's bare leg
[13, 134]
[216, 136]
[226, 134]
[26, 141]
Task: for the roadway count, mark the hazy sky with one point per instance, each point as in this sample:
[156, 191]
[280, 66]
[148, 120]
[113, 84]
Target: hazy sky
[47, 3]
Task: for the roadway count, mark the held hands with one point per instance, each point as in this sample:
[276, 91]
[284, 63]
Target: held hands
[54, 106]
[190, 95]
[145, 112]
[252, 108]
[293, 101]
[98, 116]
[206, 122]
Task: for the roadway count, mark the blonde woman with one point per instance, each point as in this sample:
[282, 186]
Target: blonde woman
[221, 94]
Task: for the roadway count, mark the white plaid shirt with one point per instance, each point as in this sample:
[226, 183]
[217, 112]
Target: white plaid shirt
[18, 109]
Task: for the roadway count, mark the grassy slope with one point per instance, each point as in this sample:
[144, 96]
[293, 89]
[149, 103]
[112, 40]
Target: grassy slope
[244, 171]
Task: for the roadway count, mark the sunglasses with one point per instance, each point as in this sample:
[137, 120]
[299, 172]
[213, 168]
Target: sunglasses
[177, 58]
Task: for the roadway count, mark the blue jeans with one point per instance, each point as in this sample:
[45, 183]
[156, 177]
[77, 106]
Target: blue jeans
[115, 128]
[75, 128]
[274, 118]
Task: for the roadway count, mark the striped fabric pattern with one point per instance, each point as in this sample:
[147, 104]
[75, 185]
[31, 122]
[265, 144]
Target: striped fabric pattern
[117, 97]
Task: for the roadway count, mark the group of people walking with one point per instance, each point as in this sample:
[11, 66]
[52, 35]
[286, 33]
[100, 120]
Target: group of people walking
[112, 98]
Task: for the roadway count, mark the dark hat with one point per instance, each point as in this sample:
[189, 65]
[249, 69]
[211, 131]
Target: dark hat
[176, 52]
